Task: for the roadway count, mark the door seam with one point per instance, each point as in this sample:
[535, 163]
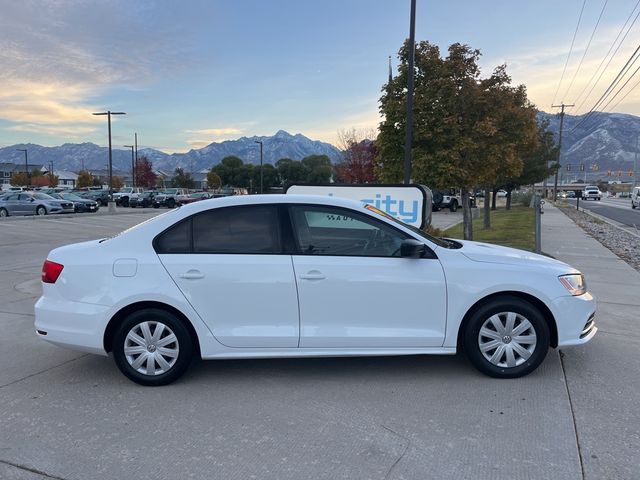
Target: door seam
[295, 281]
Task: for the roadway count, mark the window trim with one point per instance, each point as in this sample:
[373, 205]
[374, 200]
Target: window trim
[428, 255]
[191, 251]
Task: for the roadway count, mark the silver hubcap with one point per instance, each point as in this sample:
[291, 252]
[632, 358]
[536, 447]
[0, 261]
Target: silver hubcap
[41, 211]
[507, 339]
[151, 348]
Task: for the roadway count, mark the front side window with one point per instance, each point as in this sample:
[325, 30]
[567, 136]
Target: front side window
[334, 231]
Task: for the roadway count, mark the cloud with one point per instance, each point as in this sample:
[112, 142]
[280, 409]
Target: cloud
[216, 132]
[70, 130]
[59, 57]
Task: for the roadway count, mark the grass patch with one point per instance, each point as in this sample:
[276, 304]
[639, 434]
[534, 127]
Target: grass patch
[510, 228]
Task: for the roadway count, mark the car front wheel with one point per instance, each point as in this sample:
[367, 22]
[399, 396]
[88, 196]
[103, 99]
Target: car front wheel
[506, 338]
[5, 213]
[152, 347]
[41, 211]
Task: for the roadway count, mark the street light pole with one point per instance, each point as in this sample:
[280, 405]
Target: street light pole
[26, 162]
[136, 161]
[409, 122]
[133, 171]
[261, 185]
[108, 113]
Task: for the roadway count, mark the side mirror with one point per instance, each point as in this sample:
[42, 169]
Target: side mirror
[32, 199]
[411, 248]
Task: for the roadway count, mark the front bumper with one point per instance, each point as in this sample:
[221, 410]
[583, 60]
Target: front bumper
[575, 319]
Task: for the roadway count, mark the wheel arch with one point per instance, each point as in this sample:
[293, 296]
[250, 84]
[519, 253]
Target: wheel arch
[536, 302]
[133, 307]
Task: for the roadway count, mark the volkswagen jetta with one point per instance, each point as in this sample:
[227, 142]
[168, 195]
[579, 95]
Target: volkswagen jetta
[302, 276]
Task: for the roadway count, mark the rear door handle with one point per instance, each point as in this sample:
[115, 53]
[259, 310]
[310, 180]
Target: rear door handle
[313, 275]
[192, 275]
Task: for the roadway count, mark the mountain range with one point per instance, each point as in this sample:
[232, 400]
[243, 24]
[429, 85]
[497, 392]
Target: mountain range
[609, 140]
[75, 156]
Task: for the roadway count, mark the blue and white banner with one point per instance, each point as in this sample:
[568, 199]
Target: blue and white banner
[408, 203]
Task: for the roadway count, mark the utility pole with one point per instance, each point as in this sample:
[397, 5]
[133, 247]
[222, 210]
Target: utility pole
[409, 122]
[260, 142]
[133, 171]
[555, 181]
[108, 113]
[635, 164]
[26, 163]
[135, 168]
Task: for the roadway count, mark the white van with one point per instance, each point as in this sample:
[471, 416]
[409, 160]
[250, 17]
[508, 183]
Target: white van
[635, 197]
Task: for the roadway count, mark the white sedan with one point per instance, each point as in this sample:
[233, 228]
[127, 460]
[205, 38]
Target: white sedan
[304, 276]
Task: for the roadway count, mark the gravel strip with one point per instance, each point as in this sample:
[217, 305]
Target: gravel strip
[623, 244]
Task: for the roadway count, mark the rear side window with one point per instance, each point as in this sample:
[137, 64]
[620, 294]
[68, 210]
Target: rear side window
[250, 229]
[175, 240]
[247, 229]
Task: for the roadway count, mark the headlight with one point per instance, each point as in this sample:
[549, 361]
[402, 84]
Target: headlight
[574, 283]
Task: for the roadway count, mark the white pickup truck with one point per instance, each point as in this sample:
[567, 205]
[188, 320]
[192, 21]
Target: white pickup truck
[591, 192]
[124, 194]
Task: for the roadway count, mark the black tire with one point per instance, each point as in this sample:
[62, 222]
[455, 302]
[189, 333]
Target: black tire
[4, 212]
[453, 206]
[471, 338]
[41, 210]
[633, 205]
[124, 201]
[184, 344]
[171, 203]
[437, 198]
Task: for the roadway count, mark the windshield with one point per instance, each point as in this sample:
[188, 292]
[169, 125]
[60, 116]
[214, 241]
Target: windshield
[170, 191]
[42, 196]
[70, 196]
[441, 242]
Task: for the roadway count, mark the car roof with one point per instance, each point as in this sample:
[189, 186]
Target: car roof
[268, 199]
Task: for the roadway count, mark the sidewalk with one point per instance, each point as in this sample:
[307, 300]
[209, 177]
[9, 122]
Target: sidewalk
[603, 377]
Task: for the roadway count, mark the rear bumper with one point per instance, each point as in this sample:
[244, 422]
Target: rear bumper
[79, 326]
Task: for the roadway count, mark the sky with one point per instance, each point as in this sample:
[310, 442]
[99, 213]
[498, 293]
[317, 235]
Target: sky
[191, 72]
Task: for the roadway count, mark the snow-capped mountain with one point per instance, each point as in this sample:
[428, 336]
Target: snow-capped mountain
[609, 140]
[73, 157]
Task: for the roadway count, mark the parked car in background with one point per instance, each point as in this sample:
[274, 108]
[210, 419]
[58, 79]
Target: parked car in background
[342, 279]
[142, 200]
[101, 197]
[123, 196]
[635, 197]
[170, 198]
[591, 192]
[80, 204]
[195, 197]
[571, 194]
[32, 203]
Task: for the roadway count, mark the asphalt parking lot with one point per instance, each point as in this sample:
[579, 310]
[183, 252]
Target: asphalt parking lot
[66, 415]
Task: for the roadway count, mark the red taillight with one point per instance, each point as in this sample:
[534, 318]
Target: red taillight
[51, 271]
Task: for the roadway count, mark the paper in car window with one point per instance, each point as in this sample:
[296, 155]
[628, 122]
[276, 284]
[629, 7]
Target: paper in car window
[333, 220]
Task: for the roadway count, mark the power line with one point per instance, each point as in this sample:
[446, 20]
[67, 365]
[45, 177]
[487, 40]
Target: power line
[625, 95]
[584, 54]
[621, 88]
[570, 50]
[632, 59]
[610, 59]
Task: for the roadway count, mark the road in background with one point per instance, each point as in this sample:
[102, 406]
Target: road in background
[618, 210]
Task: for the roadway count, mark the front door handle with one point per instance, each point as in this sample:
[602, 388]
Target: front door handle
[313, 275]
[192, 275]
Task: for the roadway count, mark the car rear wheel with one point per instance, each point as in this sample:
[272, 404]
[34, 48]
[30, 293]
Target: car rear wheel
[5, 213]
[152, 347]
[41, 210]
[506, 338]
[454, 206]
[171, 203]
